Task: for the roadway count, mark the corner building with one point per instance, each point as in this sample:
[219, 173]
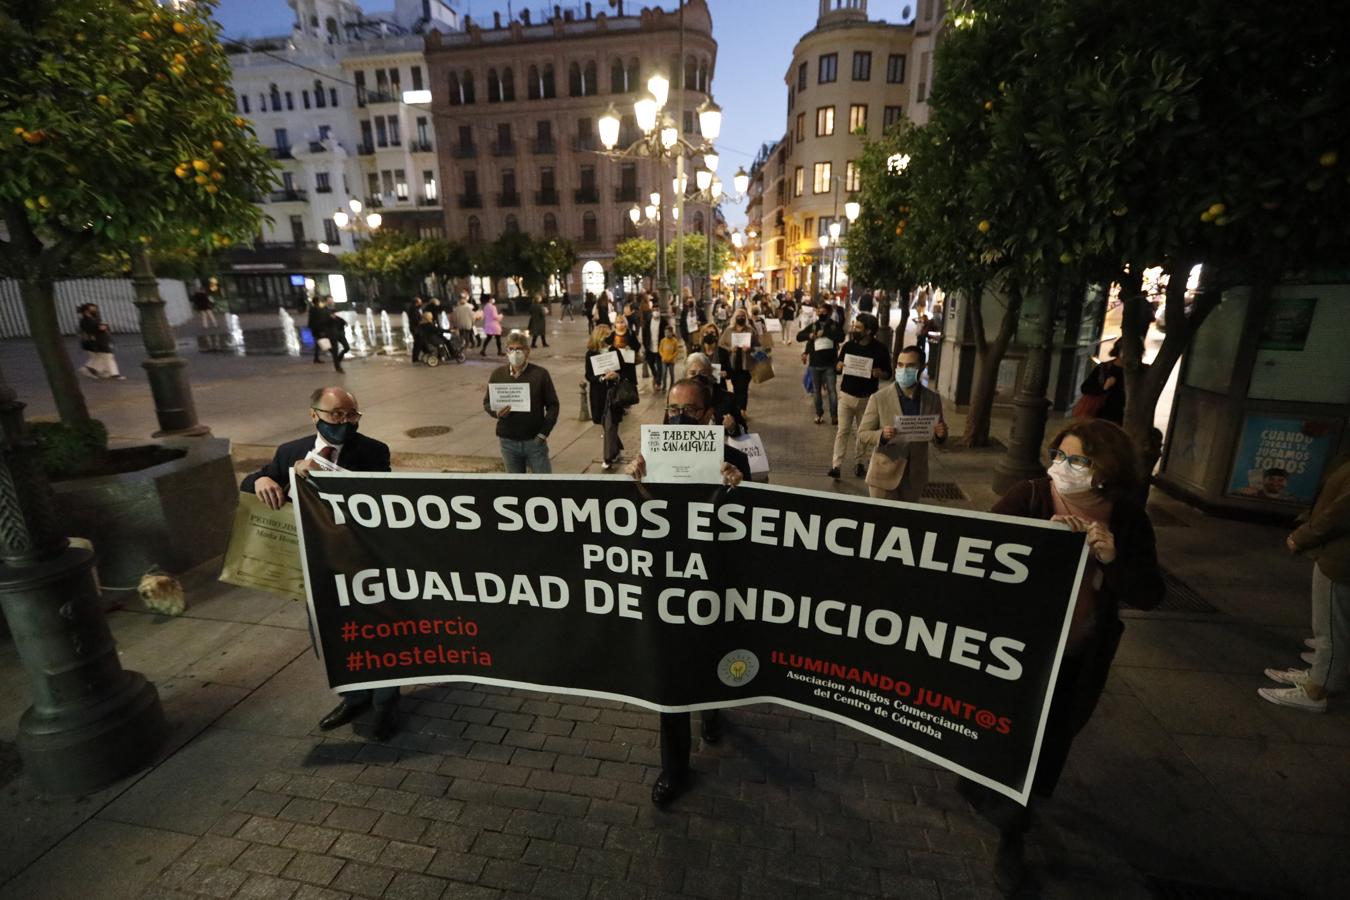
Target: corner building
[849, 79]
[515, 106]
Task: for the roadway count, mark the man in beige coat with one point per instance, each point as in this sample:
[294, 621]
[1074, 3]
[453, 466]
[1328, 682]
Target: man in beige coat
[899, 470]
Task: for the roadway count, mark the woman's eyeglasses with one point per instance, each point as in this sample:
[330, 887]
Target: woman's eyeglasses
[1076, 462]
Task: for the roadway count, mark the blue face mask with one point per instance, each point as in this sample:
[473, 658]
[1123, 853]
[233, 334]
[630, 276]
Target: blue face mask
[336, 433]
[907, 378]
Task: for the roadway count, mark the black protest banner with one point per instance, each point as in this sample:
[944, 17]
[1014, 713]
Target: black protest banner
[937, 630]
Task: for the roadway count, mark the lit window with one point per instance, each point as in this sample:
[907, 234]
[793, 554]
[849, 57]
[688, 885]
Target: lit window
[857, 118]
[825, 121]
[820, 183]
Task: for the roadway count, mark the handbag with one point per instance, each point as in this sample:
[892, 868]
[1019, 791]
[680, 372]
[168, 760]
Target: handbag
[625, 394]
[1088, 406]
[808, 382]
[762, 371]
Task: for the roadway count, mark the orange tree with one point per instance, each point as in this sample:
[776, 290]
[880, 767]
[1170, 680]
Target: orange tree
[118, 131]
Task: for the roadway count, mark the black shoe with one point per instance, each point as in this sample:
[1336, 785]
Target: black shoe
[711, 729]
[834, 472]
[667, 788]
[343, 713]
[341, 370]
[860, 470]
[386, 721]
[1010, 869]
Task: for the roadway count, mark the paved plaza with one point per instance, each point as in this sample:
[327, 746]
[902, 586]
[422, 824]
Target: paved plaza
[1184, 784]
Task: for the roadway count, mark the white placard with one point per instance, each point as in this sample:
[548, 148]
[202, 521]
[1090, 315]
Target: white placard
[914, 429]
[319, 462]
[857, 366]
[774, 326]
[512, 394]
[752, 447]
[717, 371]
[604, 362]
[629, 356]
[691, 323]
[740, 340]
[822, 344]
[683, 453]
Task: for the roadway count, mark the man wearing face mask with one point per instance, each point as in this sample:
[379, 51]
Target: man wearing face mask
[823, 338]
[690, 402]
[899, 470]
[699, 368]
[855, 389]
[336, 417]
[524, 435]
[741, 355]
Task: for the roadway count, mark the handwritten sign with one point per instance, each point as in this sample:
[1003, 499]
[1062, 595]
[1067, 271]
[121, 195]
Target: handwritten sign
[857, 366]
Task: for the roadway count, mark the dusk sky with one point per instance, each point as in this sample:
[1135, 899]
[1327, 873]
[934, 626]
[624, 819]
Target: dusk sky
[754, 46]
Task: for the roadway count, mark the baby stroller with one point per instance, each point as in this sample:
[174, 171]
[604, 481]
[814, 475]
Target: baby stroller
[439, 347]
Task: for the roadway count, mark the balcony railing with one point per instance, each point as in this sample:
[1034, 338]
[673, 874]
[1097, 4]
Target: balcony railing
[324, 189]
[511, 199]
[375, 202]
[588, 242]
[284, 245]
[470, 201]
[586, 195]
[503, 149]
[428, 201]
[317, 147]
[381, 96]
[281, 153]
[543, 147]
[583, 142]
[365, 149]
[464, 151]
[546, 198]
[421, 146]
[626, 194]
[291, 196]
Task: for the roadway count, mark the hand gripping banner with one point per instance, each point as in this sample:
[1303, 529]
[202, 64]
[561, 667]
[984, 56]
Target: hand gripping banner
[936, 630]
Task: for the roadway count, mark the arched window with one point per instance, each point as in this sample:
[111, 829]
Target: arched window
[574, 88]
[634, 75]
[534, 87]
[550, 225]
[547, 83]
[618, 78]
[508, 85]
[703, 80]
[494, 87]
[466, 87]
[274, 96]
[475, 230]
[590, 227]
[512, 224]
[690, 72]
[332, 26]
[590, 80]
[455, 98]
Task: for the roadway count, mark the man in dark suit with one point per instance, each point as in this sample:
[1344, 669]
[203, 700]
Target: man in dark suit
[690, 402]
[336, 416]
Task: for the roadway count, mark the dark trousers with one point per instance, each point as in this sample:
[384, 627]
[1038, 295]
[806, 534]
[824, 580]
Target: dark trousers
[740, 388]
[489, 337]
[676, 740]
[340, 348]
[378, 696]
[536, 336]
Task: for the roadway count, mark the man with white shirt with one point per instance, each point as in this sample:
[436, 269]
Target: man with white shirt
[336, 417]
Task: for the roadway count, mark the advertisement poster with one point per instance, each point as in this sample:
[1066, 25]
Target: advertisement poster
[938, 631]
[1280, 458]
[1288, 321]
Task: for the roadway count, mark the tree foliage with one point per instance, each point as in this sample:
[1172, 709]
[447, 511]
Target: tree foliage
[635, 258]
[696, 255]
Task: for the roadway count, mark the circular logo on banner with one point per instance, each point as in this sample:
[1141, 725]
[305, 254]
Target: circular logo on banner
[738, 668]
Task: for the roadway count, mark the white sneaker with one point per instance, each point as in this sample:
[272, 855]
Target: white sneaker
[1294, 697]
[1307, 657]
[1295, 677]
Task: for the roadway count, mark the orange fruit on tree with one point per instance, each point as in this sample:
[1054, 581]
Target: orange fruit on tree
[1327, 159]
[211, 189]
[217, 146]
[201, 179]
[216, 176]
[201, 165]
[179, 28]
[181, 171]
[983, 226]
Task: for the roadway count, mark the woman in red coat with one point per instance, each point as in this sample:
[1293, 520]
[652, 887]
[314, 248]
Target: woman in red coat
[1091, 486]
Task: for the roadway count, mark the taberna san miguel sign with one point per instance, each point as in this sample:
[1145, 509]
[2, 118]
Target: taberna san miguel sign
[936, 630]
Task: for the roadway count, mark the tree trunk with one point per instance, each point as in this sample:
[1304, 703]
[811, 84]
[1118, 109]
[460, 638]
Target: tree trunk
[39, 303]
[883, 312]
[989, 357]
[897, 340]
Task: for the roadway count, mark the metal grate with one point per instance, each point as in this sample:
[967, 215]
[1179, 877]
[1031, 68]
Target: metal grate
[1179, 597]
[10, 764]
[1175, 889]
[423, 431]
[943, 490]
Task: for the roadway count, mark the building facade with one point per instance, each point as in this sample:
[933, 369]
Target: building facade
[516, 104]
[849, 79]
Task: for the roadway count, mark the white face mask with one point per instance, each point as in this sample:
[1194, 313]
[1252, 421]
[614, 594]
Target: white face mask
[1070, 480]
[516, 358]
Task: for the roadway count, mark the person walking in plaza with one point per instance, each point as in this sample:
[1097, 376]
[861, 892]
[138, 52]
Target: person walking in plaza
[538, 322]
[1104, 391]
[204, 305]
[336, 330]
[690, 402]
[96, 340]
[690, 319]
[740, 341]
[461, 317]
[336, 418]
[492, 324]
[672, 353]
[603, 312]
[1325, 539]
[822, 338]
[855, 389]
[1092, 488]
[565, 307]
[524, 433]
[698, 367]
[898, 469]
[413, 313]
[317, 322]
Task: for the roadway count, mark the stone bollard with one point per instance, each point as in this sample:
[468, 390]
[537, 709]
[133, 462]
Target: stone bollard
[585, 414]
